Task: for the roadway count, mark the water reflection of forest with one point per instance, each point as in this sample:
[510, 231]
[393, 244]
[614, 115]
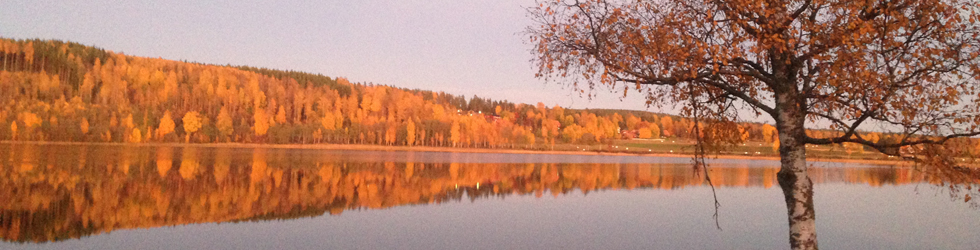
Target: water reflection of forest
[50, 193]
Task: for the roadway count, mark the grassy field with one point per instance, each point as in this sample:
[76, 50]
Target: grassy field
[760, 149]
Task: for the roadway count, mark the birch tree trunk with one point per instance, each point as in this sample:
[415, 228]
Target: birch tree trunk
[793, 179]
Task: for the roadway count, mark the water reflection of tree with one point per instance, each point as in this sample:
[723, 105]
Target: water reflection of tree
[90, 190]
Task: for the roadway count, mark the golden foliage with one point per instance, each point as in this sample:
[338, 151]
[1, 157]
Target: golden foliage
[30, 120]
[328, 121]
[166, 126]
[261, 122]
[654, 131]
[769, 133]
[128, 122]
[224, 123]
[281, 115]
[410, 133]
[136, 136]
[454, 135]
[849, 64]
[192, 122]
[13, 129]
[84, 126]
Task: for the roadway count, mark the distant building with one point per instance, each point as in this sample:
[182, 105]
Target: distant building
[629, 134]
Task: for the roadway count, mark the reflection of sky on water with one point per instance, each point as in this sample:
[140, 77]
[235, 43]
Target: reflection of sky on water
[862, 208]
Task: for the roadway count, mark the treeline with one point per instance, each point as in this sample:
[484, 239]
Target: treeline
[62, 91]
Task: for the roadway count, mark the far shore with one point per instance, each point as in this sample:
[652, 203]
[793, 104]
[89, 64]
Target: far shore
[366, 147]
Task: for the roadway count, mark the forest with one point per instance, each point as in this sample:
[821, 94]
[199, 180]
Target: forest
[67, 92]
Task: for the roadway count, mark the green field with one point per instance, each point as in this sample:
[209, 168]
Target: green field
[752, 148]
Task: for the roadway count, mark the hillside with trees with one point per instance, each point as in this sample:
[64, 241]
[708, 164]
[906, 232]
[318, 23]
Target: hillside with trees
[68, 92]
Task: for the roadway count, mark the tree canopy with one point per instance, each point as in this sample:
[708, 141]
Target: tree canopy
[908, 66]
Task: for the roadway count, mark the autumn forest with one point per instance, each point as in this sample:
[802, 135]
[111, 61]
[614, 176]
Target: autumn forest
[67, 92]
[60, 91]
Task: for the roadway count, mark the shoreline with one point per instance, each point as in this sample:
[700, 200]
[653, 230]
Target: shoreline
[368, 147]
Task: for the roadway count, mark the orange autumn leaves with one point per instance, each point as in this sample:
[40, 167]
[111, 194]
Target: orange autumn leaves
[92, 95]
[846, 67]
[70, 92]
[99, 96]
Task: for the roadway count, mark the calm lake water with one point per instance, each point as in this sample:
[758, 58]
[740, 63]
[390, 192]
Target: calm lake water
[124, 197]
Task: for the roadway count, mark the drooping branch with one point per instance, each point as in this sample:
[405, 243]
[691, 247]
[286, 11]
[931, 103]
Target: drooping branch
[702, 78]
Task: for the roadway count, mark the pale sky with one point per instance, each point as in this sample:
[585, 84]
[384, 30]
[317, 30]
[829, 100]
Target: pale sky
[457, 46]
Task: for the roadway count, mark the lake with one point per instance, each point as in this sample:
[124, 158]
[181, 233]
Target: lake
[193, 197]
